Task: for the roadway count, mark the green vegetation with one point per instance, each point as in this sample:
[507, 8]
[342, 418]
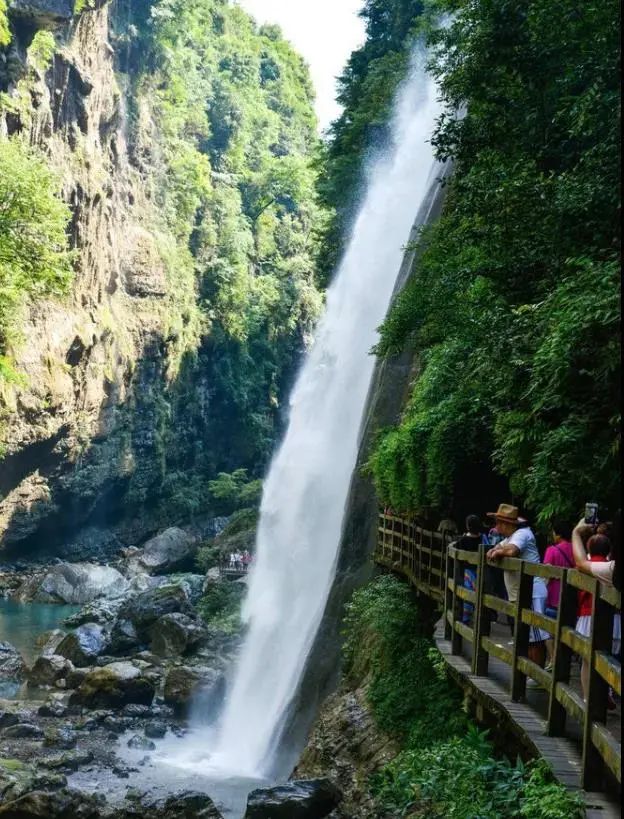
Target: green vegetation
[34, 260]
[5, 34]
[513, 310]
[366, 90]
[220, 606]
[446, 768]
[221, 122]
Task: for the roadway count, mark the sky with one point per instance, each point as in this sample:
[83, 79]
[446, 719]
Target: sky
[324, 32]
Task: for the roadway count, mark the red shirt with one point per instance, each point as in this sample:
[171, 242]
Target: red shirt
[585, 598]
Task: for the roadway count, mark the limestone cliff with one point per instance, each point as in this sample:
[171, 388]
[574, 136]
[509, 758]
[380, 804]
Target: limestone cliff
[124, 391]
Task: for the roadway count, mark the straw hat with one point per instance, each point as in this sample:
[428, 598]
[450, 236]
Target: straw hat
[507, 513]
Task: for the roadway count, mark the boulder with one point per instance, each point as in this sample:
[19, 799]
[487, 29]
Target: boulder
[184, 683]
[48, 669]
[123, 636]
[84, 645]
[8, 718]
[11, 662]
[49, 641]
[23, 730]
[155, 729]
[112, 686]
[171, 550]
[185, 805]
[140, 743]
[68, 761]
[146, 608]
[62, 737]
[300, 799]
[101, 611]
[80, 583]
[61, 804]
[176, 634]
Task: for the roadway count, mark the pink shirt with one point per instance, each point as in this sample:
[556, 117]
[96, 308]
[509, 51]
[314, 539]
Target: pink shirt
[559, 555]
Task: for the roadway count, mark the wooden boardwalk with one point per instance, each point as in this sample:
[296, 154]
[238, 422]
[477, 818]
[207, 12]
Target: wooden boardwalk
[528, 719]
[490, 661]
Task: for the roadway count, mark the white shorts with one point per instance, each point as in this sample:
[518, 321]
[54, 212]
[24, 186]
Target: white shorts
[583, 626]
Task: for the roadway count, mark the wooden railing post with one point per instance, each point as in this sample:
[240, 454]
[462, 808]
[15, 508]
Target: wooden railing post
[481, 619]
[562, 658]
[521, 635]
[448, 597]
[597, 693]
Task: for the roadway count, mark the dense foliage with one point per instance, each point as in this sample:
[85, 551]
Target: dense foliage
[234, 133]
[34, 259]
[513, 310]
[366, 90]
[446, 768]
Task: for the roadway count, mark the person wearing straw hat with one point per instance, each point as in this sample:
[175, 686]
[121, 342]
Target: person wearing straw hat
[519, 541]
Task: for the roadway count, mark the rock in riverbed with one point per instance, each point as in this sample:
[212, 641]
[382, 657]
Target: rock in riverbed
[83, 646]
[80, 583]
[301, 799]
[112, 686]
[11, 662]
[176, 633]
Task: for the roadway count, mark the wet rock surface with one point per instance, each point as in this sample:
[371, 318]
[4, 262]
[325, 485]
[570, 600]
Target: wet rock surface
[11, 663]
[113, 685]
[300, 799]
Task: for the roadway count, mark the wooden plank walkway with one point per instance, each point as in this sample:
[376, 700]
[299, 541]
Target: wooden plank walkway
[528, 719]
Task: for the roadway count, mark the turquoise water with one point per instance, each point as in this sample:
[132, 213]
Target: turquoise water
[21, 624]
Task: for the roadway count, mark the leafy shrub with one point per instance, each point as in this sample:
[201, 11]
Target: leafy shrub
[447, 767]
[220, 606]
[34, 259]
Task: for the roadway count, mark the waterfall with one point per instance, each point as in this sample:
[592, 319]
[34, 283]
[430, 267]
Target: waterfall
[306, 489]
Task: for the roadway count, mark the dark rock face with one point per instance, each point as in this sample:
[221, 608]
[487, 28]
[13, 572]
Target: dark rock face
[301, 799]
[84, 645]
[11, 662]
[176, 634]
[112, 686]
[44, 13]
[146, 608]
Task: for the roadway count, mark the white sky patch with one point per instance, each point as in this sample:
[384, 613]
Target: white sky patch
[324, 32]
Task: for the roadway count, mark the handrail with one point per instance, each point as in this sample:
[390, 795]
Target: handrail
[435, 566]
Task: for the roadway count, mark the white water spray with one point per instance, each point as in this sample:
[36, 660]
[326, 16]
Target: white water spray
[307, 486]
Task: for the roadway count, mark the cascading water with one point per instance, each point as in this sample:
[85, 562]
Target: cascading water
[306, 489]
[307, 485]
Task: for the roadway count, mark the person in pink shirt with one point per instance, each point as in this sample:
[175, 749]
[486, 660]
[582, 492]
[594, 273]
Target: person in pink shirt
[559, 553]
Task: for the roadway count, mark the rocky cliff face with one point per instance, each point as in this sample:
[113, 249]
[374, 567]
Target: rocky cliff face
[117, 390]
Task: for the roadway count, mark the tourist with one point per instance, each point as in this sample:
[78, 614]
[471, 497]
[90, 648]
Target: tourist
[447, 525]
[232, 560]
[471, 541]
[559, 553]
[519, 542]
[601, 560]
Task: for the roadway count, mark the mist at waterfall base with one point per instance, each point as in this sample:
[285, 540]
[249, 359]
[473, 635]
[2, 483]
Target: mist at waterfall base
[306, 489]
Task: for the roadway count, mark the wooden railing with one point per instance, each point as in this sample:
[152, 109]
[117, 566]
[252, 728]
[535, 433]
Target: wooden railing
[436, 568]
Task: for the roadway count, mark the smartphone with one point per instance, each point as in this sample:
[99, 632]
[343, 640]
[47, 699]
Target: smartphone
[591, 513]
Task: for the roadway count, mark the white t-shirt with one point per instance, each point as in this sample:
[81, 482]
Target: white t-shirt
[524, 539]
